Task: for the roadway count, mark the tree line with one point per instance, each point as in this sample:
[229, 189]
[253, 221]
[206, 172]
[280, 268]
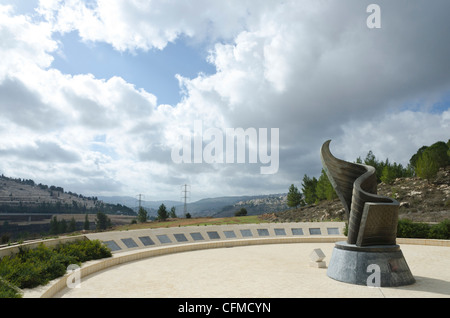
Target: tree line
[163, 214]
[425, 164]
[102, 222]
[428, 160]
[66, 208]
[313, 191]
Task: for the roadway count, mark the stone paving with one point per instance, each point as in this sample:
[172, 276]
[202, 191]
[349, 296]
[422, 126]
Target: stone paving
[259, 260]
[270, 270]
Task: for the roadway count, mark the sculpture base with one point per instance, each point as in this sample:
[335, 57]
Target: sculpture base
[380, 265]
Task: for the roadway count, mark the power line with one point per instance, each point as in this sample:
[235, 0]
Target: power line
[140, 196]
[185, 196]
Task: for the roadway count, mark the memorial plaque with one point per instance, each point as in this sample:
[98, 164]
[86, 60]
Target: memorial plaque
[146, 240]
[297, 231]
[280, 232]
[213, 235]
[163, 239]
[332, 231]
[263, 232]
[315, 231]
[112, 245]
[229, 234]
[246, 233]
[197, 236]
[129, 242]
[180, 237]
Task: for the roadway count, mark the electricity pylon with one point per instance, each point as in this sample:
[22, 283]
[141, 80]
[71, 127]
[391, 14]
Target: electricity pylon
[185, 197]
[139, 200]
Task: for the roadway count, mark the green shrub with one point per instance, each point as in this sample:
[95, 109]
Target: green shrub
[346, 229]
[21, 273]
[33, 267]
[440, 231]
[241, 212]
[8, 291]
[409, 229]
[84, 251]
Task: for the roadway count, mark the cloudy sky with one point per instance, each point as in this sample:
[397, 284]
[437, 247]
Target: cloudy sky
[95, 95]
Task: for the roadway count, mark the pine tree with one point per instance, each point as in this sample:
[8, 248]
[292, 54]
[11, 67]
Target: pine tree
[439, 152]
[324, 188]
[371, 160]
[142, 215]
[294, 197]
[426, 166]
[62, 226]
[102, 220]
[309, 189]
[162, 212]
[72, 225]
[388, 175]
[54, 226]
[86, 224]
[172, 213]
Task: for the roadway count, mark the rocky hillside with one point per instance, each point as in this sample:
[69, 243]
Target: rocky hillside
[420, 201]
[25, 196]
[256, 205]
[22, 194]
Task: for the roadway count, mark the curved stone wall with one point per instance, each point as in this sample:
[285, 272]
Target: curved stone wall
[122, 241]
[278, 233]
[14, 249]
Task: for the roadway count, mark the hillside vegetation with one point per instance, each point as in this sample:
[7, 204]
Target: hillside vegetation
[25, 196]
[420, 201]
[422, 189]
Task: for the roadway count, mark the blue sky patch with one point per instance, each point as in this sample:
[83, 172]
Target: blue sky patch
[153, 70]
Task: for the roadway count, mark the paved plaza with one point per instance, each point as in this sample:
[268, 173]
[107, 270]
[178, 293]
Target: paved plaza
[270, 270]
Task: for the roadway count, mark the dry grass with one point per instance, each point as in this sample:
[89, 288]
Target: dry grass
[251, 219]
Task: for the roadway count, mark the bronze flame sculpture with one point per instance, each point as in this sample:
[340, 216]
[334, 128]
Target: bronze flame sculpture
[372, 225]
[372, 218]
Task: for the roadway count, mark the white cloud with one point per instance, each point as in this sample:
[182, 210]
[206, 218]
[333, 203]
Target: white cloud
[396, 136]
[312, 69]
[143, 25]
[23, 42]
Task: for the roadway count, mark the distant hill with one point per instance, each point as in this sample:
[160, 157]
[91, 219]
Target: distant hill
[150, 206]
[256, 205]
[25, 196]
[216, 207]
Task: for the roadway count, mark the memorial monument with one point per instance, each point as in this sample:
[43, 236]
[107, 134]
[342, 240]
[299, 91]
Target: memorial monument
[370, 256]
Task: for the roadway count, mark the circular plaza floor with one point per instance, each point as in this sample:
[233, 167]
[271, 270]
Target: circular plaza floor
[257, 271]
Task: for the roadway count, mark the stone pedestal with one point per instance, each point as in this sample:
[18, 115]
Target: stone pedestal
[378, 265]
[317, 257]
